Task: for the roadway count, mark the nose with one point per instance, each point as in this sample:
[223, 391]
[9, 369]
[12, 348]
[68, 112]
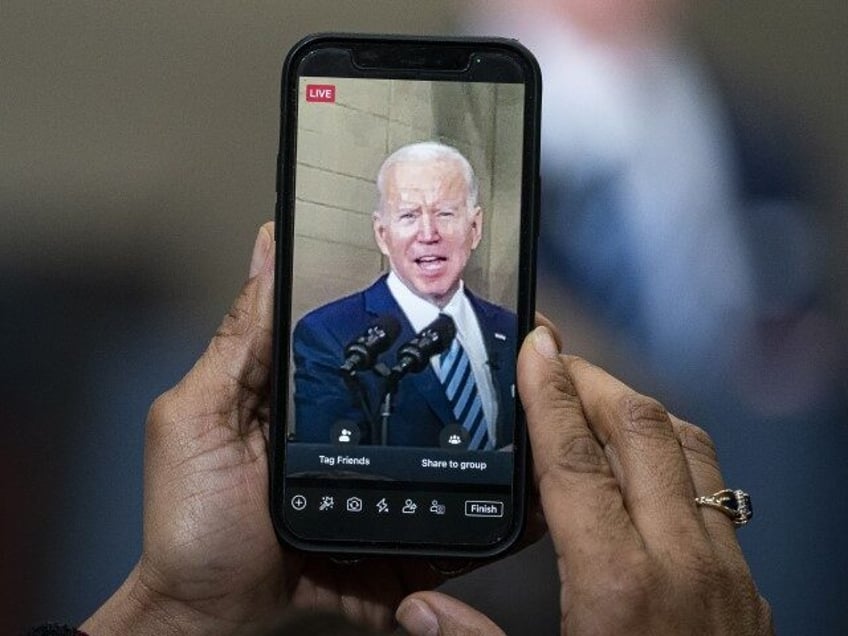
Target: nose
[427, 230]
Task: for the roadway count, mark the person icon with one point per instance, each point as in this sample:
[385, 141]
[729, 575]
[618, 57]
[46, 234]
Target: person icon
[409, 507]
[345, 432]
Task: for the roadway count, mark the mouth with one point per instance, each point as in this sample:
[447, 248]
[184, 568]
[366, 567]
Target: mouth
[430, 263]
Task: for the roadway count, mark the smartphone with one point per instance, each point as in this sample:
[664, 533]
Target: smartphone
[407, 215]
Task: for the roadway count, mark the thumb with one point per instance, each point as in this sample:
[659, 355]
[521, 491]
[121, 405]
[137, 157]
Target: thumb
[437, 614]
[233, 371]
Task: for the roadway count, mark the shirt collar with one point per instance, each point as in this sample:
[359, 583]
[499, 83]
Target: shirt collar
[422, 312]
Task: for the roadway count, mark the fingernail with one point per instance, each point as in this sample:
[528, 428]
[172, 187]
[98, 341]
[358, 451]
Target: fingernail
[417, 618]
[544, 343]
[260, 251]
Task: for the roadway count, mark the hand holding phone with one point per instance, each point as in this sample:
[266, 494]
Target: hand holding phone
[211, 562]
[406, 219]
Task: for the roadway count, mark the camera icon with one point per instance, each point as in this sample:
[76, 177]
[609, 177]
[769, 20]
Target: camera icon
[353, 504]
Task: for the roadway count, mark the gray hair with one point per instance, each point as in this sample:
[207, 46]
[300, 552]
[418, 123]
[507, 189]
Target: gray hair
[429, 151]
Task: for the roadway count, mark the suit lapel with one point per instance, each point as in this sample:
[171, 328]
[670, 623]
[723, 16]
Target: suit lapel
[499, 338]
[379, 301]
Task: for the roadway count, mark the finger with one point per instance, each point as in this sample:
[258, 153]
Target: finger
[580, 497]
[543, 320]
[701, 458]
[437, 614]
[232, 374]
[535, 526]
[639, 440]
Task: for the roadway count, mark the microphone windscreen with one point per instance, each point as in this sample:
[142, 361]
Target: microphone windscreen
[390, 325]
[430, 341]
[361, 354]
[445, 330]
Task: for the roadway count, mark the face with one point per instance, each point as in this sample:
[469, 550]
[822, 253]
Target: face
[425, 227]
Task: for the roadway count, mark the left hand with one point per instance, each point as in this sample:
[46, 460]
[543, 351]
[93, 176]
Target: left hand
[210, 561]
[617, 477]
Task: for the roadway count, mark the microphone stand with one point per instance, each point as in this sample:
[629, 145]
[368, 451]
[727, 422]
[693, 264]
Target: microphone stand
[412, 357]
[386, 403]
[392, 378]
[355, 386]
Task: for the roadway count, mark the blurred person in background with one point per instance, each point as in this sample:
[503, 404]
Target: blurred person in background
[676, 217]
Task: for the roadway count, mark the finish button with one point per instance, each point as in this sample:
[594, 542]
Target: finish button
[484, 509]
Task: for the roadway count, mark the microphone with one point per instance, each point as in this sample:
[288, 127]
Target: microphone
[362, 353]
[431, 341]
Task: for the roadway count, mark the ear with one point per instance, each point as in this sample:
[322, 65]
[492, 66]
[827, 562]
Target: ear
[476, 226]
[380, 231]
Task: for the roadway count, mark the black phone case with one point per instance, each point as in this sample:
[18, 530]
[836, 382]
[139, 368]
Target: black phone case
[386, 49]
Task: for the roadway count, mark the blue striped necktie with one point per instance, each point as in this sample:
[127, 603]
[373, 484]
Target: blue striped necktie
[461, 389]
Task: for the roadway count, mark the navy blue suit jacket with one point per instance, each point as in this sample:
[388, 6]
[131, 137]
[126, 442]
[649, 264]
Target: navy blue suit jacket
[420, 408]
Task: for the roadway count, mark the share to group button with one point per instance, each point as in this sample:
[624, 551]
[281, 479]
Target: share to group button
[484, 508]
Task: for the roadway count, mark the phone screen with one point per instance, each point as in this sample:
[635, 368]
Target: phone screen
[406, 234]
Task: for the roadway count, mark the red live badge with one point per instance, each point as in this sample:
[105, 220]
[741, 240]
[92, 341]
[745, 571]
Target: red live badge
[320, 93]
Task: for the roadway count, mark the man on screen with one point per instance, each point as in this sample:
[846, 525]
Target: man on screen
[427, 224]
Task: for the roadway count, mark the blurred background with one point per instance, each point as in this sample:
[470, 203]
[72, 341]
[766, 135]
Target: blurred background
[694, 242]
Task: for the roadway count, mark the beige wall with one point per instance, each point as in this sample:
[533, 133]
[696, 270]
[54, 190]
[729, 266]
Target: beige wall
[340, 149]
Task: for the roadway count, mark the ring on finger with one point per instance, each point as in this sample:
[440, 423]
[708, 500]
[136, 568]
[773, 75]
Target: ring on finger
[736, 504]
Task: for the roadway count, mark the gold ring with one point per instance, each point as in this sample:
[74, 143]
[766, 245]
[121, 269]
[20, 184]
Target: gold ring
[736, 504]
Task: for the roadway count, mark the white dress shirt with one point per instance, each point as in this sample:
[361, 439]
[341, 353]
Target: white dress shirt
[421, 313]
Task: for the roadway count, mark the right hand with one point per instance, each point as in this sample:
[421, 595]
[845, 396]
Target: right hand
[617, 476]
